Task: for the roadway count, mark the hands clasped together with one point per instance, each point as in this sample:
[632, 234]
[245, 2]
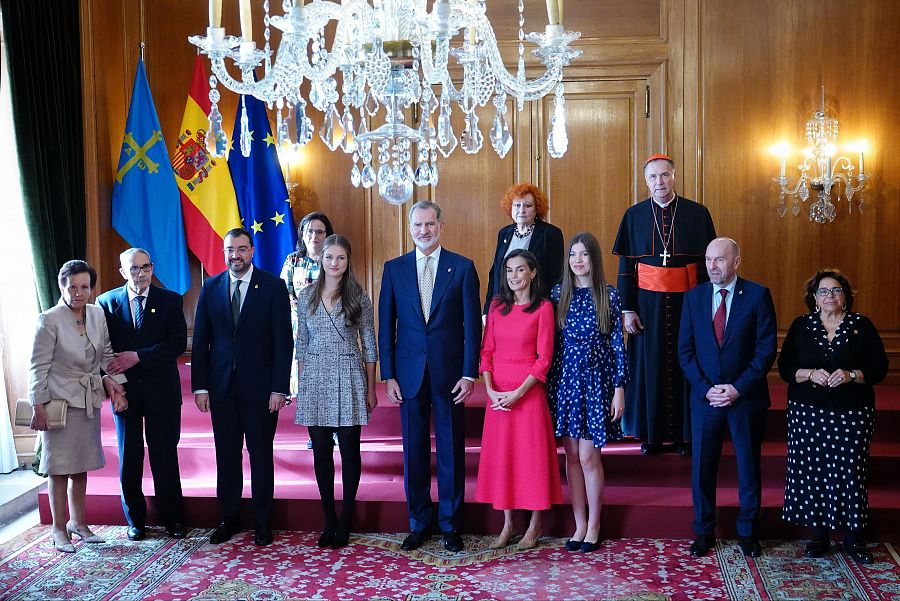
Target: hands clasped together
[722, 395]
[821, 377]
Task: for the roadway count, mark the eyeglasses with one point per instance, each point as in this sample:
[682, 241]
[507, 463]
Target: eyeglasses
[136, 269]
[315, 233]
[823, 292]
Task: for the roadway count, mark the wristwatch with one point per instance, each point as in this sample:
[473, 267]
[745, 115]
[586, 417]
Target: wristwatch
[853, 375]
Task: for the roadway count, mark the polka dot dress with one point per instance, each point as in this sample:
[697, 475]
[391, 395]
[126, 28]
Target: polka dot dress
[587, 366]
[828, 460]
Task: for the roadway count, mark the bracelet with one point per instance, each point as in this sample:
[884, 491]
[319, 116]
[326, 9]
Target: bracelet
[811, 372]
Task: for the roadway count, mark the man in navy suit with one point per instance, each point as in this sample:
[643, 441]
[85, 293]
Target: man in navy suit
[240, 373]
[148, 333]
[429, 336]
[726, 347]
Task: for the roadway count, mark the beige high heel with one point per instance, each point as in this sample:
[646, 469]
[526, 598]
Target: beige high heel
[66, 547]
[84, 533]
[502, 543]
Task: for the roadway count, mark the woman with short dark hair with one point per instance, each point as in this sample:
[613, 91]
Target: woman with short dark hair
[830, 359]
[71, 346]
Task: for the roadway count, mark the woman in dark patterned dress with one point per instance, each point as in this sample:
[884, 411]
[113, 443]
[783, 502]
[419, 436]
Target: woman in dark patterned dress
[830, 359]
[587, 381]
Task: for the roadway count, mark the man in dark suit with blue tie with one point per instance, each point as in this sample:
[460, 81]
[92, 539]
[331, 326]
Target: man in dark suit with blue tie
[148, 333]
[240, 373]
[429, 336]
[726, 347]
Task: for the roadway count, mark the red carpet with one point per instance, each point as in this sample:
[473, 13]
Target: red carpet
[373, 568]
[646, 496]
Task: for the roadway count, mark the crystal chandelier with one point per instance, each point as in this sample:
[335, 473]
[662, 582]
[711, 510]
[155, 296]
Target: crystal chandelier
[390, 54]
[821, 171]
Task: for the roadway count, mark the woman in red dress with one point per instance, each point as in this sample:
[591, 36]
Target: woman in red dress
[518, 467]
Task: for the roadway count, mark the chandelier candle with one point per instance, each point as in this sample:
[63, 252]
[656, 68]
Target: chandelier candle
[215, 13]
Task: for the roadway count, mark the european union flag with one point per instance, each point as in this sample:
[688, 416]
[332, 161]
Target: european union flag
[259, 186]
[146, 203]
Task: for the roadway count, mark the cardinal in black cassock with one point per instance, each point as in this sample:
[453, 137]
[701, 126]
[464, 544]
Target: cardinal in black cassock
[661, 246]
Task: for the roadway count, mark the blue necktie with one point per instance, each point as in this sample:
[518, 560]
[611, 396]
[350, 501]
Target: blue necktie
[138, 312]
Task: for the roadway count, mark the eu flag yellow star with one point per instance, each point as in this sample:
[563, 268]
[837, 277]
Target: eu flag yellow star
[278, 218]
[257, 227]
[269, 139]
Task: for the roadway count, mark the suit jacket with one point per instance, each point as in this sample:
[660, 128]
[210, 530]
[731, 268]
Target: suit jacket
[258, 349]
[547, 245]
[449, 343]
[59, 369]
[154, 383]
[748, 349]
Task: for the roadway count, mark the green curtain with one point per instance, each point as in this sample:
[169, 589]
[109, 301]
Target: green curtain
[43, 44]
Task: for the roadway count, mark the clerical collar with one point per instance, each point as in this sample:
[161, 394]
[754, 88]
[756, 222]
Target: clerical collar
[674, 196]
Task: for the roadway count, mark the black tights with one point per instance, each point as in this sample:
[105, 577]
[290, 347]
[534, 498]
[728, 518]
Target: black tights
[351, 469]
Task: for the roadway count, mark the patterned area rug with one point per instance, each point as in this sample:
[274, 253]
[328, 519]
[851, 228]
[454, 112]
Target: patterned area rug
[373, 567]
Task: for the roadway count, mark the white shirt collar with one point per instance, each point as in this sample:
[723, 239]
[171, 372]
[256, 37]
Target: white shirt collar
[436, 253]
[729, 287]
[244, 278]
[670, 201]
[131, 294]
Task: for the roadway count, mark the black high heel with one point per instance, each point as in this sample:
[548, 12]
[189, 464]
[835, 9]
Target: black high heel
[327, 537]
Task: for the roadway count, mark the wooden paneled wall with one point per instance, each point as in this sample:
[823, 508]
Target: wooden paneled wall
[726, 81]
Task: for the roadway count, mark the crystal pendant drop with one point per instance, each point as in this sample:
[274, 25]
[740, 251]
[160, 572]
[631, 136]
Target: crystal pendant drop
[216, 140]
[423, 175]
[281, 129]
[355, 176]
[368, 176]
[395, 188]
[558, 140]
[471, 136]
[446, 139]
[246, 136]
[303, 124]
[501, 139]
[348, 144]
[371, 104]
[331, 132]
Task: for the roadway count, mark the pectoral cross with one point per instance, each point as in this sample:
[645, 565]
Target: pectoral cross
[665, 255]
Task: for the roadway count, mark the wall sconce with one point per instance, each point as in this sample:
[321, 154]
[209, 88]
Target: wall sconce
[821, 171]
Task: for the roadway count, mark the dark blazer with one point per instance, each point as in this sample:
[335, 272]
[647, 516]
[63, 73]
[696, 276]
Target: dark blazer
[153, 384]
[747, 352]
[546, 244]
[258, 349]
[451, 340]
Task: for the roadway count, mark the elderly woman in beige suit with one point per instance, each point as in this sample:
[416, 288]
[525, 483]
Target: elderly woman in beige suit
[71, 346]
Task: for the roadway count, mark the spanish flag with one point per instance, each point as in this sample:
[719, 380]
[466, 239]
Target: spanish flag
[208, 202]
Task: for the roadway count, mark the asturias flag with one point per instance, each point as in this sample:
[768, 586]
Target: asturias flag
[146, 209]
[207, 194]
[259, 184]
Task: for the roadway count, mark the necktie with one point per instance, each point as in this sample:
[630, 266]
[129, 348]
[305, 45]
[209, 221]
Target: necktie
[138, 312]
[426, 285]
[236, 301]
[719, 319]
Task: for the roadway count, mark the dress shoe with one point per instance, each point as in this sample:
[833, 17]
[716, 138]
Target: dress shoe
[414, 540]
[341, 536]
[63, 546]
[750, 546]
[84, 533]
[453, 542]
[327, 536]
[860, 553]
[135, 533]
[176, 530]
[573, 545]
[587, 547]
[817, 548]
[702, 545]
[263, 536]
[223, 533]
[652, 448]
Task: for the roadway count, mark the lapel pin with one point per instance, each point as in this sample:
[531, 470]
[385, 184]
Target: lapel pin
[740, 291]
[256, 286]
[449, 269]
[153, 310]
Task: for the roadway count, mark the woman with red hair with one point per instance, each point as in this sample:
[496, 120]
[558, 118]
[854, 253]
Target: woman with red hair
[528, 206]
